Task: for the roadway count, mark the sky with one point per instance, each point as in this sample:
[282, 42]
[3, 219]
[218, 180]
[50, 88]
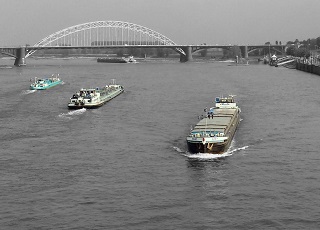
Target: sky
[185, 22]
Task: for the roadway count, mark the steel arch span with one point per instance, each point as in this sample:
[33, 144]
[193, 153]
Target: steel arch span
[105, 33]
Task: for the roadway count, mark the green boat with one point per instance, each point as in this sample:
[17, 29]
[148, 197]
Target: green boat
[45, 83]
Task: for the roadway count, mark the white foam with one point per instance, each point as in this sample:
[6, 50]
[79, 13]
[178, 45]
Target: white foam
[72, 113]
[178, 149]
[242, 148]
[209, 156]
[28, 91]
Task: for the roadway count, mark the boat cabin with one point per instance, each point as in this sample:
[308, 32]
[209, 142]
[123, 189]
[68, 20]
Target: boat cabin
[225, 102]
[87, 92]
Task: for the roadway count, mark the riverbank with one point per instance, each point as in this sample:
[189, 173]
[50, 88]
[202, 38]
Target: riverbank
[308, 67]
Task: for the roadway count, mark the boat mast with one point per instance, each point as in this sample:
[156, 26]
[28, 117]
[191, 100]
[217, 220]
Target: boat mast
[206, 117]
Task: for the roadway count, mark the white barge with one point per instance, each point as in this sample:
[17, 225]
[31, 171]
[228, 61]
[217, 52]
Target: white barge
[91, 98]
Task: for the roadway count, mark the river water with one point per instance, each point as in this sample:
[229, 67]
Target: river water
[126, 165]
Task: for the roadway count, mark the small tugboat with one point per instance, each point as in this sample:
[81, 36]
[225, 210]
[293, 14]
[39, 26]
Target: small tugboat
[92, 98]
[45, 83]
[214, 133]
[273, 61]
[131, 60]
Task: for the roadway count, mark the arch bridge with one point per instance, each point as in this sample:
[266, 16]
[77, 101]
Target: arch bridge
[107, 34]
[98, 35]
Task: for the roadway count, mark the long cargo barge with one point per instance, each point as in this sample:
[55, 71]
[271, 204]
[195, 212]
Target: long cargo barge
[92, 98]
[117, 60]
[112, 60]
[214, 133]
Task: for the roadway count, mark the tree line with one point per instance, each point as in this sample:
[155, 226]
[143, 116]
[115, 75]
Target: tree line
[302, 48]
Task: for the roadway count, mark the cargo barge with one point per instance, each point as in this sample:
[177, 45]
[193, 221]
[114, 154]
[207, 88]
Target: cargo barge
[117, 60]
[92, 98]
[214, 133]
[112, 60]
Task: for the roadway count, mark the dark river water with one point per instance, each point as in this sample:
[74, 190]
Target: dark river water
[126, 165]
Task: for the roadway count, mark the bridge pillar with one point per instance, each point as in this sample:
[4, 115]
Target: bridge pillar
[188, 52]
[20, 57]
[244, 52]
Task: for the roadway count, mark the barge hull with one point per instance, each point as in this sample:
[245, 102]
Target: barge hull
[46, 87]
[213, 148]
[112, 60]
[95, 106]
[224, 119]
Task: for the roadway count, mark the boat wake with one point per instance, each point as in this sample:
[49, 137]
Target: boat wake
[178, 149]
[209, 156]
[72, 113]
[28, 91]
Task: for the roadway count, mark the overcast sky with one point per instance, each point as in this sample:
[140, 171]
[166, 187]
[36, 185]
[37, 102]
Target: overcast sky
[183, 21]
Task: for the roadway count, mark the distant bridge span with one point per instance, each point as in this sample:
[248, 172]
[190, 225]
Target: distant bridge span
[111, 34]
[105, 33]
